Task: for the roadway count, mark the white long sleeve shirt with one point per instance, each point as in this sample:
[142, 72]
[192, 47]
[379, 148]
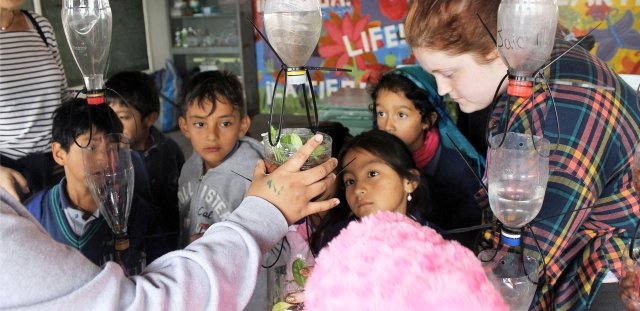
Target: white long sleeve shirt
[216, 272]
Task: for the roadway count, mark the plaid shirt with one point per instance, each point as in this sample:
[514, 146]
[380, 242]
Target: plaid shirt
[590, 208]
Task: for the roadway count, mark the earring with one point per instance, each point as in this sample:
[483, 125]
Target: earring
[409, 197]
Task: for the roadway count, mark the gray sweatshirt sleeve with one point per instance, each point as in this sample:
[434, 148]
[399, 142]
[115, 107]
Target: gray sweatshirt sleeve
[216, 272]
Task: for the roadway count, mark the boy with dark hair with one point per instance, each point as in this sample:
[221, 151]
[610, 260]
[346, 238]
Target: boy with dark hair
[135, 99]
[67, 210]
[214, 118]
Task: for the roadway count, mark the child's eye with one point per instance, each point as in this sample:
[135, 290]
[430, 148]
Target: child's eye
[372, 174]
[348, 182]
[402, 115]
[381, 114]
[225, 124]
[198, 124]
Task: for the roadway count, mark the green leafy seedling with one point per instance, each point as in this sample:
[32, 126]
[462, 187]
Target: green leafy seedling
[297, 265]
[281, 306]
[290, 142]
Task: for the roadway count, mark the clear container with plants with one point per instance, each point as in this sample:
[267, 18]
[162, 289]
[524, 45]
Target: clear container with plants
[292, 139]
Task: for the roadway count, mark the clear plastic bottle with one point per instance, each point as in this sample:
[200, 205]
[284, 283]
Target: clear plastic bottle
[525, 38]
[514, 271]
[518, 172]
[293, 28]
[87, 25]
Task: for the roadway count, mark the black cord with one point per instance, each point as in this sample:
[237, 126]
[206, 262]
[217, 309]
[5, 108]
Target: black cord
[279, 254]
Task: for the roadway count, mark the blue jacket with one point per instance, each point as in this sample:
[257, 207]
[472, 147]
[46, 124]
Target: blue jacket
[97, 242]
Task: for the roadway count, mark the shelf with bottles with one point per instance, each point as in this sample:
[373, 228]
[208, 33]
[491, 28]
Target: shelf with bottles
[205, 33]
[194, 63]
[204, 16]
[194, 50]
[202, 8]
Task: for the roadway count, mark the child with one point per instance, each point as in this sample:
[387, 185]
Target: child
[67, 210]
[135, 99]
[215, 120]
[212, 182]
[378, 173]
[409, 112]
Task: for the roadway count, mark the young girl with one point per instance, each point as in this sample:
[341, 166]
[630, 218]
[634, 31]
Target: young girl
[378, 173]
[406, 104]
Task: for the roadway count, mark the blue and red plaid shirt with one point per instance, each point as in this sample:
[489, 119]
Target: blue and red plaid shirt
[590, 208]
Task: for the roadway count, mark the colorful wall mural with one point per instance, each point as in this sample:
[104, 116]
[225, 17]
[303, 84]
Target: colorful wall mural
[617, 36]
[367, 37]
[362, 35]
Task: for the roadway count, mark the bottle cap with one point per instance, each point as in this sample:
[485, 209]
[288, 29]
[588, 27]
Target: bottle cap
[519, 88]
[95, 98]
[122, 244]
[296, 77]
[510, 238]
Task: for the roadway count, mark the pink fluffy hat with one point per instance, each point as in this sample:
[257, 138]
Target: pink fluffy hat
[389, 262]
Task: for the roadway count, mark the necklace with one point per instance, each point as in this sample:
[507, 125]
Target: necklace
[13, 16]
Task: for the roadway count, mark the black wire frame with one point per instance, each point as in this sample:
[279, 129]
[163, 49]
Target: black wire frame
[284, 68]
[84, 91]
[540, 258]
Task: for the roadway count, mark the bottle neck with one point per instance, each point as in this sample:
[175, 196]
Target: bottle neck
[510, 237]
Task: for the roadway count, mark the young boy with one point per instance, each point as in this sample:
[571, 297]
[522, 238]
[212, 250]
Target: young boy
[67, 210]
[135, 99]
[214, 118]
[212, 182]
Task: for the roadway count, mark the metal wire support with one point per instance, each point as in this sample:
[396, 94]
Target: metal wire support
[284, 68]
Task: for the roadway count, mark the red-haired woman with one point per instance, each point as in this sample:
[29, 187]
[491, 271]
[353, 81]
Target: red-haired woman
[590, 207]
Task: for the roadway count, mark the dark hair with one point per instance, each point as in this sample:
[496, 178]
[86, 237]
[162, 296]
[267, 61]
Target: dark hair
[453, 26]
[393, 151]
[75, 117]
[136, 90]
[397, 83]
[213, 86]
[339, 135]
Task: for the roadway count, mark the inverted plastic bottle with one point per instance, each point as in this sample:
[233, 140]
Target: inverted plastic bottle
[87, 26]
[525, 38]
[293, 28]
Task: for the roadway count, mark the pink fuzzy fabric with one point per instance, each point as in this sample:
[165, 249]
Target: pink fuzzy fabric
[389, 262]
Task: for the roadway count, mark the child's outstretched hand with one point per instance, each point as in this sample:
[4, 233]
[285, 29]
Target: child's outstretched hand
[290, 189]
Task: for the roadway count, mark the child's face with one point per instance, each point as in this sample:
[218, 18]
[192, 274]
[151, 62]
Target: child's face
[71, 160]
[213, 135]
[134, 127]
[371, 185]
[397, 115]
